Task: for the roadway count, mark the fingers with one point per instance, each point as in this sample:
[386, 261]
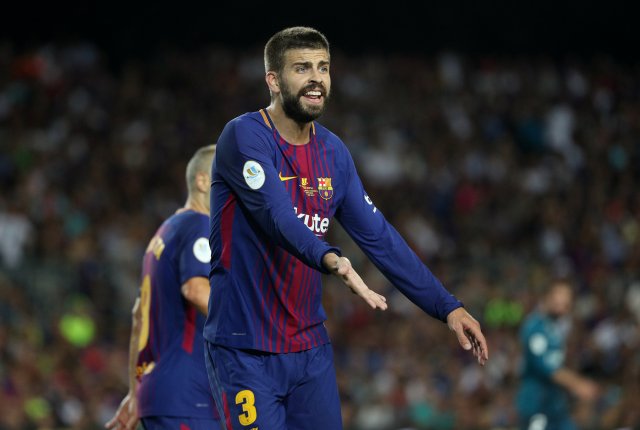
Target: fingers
[478, 343]
[114, 422]
[375, 300]
[476, 346]
[469, 334]
[351, 278]
[119, 421]
[132, 422]
[464, 341]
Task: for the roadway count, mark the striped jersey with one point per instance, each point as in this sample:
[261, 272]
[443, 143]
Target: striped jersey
[171, 367]
[271, 206]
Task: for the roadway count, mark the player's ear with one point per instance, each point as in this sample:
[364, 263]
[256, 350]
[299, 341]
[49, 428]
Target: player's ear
[272, 82]
[203, 182]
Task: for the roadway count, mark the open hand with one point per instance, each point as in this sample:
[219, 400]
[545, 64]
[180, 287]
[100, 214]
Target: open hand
[469, 335]
[586, 389]
[341, 267]
[126, 417]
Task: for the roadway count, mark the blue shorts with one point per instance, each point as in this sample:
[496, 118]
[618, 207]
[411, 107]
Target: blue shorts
[179, 423]
[261, 390]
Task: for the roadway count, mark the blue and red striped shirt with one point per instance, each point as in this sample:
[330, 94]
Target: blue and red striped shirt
[271, 206]
[171, 366]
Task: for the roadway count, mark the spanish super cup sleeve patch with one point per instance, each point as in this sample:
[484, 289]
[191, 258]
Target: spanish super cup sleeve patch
[253, 174]
[201, 250]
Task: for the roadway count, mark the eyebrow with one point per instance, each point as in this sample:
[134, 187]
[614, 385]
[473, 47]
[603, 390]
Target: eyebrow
[309, 63]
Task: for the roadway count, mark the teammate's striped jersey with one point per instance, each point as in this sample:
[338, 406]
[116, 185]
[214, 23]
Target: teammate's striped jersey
[271, 206]
[173, 376]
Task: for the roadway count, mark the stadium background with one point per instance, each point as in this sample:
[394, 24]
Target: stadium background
[503, 140]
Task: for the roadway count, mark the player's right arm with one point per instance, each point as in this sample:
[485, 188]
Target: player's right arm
[341, 267]
[581, 387]
[127, 414]
[243, 150]
[245, 160]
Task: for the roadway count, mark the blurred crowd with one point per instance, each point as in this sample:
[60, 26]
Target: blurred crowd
[501, 173]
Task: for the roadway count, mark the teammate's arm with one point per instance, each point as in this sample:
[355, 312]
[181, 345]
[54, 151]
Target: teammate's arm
[196, 290]
[394, 258]
[127, 414]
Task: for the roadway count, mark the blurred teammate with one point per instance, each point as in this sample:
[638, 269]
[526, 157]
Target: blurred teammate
[166, 352]
[279, 177]
[542, 401]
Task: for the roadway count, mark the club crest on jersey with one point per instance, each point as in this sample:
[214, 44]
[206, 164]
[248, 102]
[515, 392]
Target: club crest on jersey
[325, 190]
[308, 190]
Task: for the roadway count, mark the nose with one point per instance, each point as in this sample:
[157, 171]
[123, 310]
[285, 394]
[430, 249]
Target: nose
[316, 76]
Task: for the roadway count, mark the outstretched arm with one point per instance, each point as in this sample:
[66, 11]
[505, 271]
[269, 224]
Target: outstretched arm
[394, 258]
[127, 414]
[341, 267]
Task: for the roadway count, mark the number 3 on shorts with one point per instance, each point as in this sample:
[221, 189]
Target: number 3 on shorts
[247, 399]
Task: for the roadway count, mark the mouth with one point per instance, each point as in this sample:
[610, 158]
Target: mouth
[314, 96]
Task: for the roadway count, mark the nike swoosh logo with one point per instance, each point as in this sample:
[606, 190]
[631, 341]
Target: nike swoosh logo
[285, 178]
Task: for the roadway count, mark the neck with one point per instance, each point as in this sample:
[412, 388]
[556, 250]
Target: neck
[293, 132]
[195, 204]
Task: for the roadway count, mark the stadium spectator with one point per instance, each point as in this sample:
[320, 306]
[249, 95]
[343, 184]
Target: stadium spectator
[524, 168]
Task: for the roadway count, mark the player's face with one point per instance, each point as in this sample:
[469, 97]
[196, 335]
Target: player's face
[305, 84]
[207, 198]
[559, 301]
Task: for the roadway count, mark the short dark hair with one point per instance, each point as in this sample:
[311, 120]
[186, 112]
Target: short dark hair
[291, 38]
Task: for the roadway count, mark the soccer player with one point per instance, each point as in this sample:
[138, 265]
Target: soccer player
[168, 386]
[279, 178]
[542, 400]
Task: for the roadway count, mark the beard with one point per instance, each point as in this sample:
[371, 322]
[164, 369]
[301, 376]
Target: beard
[293, 107]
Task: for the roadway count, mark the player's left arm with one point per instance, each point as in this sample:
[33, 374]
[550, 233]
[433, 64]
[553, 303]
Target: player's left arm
[384, 246]
[196, 290]
[126, 415]
[469, 333]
